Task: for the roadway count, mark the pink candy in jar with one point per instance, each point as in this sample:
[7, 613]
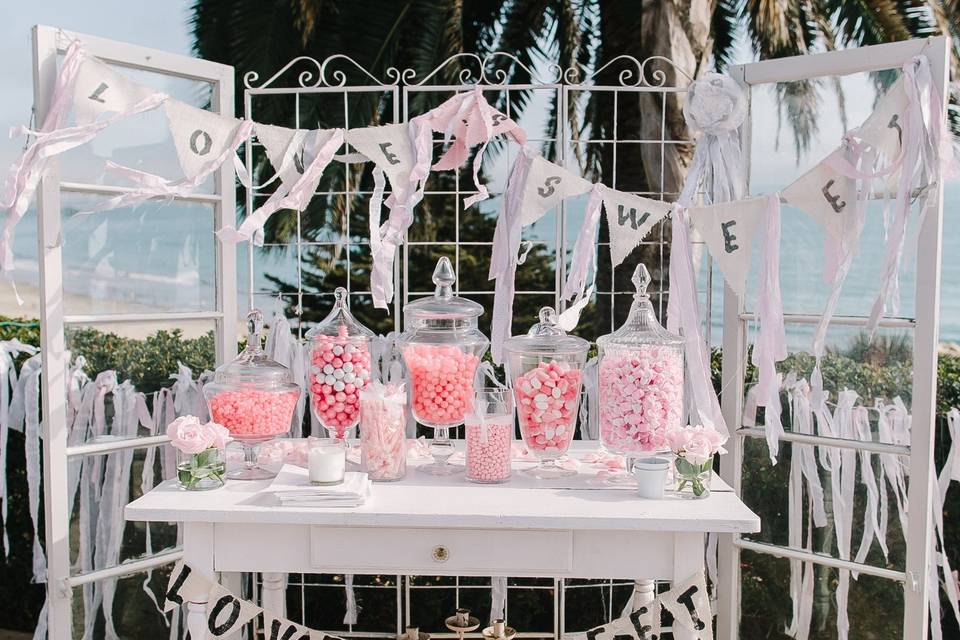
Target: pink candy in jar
[383, 427]
[641, 396]
[254, 413]
[340, 367]
[640, 380]
[545, 368]
[442, 381]
[489, 435]
[547, 399]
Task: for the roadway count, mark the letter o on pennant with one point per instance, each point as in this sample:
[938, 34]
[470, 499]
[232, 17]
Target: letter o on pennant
[200, 142]
[224, 602]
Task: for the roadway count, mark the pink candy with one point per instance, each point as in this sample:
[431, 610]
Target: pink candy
[383, 425]
[442, 379]
[340, 369]
[547, 401]
[489, 448]
[641, 396]
[254, 413]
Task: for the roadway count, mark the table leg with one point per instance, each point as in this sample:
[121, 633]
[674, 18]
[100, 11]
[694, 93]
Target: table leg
[688, 559]
[198, 553]
[644, 592]
[273, 597]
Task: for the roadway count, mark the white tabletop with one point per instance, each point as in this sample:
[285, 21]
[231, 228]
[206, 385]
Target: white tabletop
[423, 501]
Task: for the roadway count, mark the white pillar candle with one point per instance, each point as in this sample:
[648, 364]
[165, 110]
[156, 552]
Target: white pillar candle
[326, 463]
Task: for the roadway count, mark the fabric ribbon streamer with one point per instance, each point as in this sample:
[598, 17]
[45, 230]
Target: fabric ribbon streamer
[470, 120]
[9, 351]
[503, 259]
[584, 256]
[771, 343]
[320, 146]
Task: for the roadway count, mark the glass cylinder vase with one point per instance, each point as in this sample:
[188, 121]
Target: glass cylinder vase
[692, 480]
[201, 471]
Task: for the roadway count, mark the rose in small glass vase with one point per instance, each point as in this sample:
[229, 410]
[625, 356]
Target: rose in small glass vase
[201, 452]
[694, 448]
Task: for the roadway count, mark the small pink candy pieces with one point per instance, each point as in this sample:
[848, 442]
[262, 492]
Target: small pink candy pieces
[254, 413]
[488, 448]
[547, 400]
[340, 369]
[641, 396]
[442, 381]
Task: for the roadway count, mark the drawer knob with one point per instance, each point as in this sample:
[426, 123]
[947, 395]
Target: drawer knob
[441, 553]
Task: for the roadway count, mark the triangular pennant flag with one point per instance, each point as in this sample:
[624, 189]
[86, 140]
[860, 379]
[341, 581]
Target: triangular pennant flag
[387, 146]
[200, 136]
[184, 585]
[277, 628]
[883, 129]
[630, 218]
[227, 614]
[547, 185]
[285, 150]
[99, 89]
[728, 229]
[826, 196]
[689, 604]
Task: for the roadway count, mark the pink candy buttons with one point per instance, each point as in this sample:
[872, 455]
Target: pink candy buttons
[442, 382]
[488, 448]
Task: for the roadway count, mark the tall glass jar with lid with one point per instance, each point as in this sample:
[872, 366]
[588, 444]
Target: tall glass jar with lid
[441, 347]
[340, 367]
[545, 371]
[640, 382]
[254, 397]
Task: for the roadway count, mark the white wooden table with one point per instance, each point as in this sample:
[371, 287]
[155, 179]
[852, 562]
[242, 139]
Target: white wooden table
[447, 526]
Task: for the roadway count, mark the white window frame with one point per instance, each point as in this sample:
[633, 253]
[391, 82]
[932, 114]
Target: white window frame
[48, 43]
[925, 333]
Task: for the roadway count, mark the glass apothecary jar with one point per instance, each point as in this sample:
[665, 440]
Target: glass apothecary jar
[441, 347]
[339, 367]
[640, 381]
[254, 397]
[545, 371]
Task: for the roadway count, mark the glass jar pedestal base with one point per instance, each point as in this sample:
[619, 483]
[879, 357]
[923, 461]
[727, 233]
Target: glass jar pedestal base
[251, 469]
[549, 470]
[441, 448]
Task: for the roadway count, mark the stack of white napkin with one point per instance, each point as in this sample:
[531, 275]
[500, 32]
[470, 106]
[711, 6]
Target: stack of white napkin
[292, 487]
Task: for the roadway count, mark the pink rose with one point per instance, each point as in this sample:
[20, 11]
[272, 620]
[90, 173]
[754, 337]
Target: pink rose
[698, 449]
[187, 434]
[677, 438]
[219, 434]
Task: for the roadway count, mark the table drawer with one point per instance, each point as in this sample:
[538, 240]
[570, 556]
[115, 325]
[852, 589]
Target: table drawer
[446, 551]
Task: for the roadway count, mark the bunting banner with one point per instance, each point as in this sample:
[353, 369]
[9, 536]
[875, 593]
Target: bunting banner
[688, 603]
[630, 218]
[547, 185]
[470, 120]
[299, 158]
[728, 228]
[226, 613]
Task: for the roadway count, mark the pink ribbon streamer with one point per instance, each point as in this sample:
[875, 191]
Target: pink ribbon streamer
[683, 316]
[771, 344]
[400, 203]
[584, 251]
[153, 186]
[504, 260]
[296, 197]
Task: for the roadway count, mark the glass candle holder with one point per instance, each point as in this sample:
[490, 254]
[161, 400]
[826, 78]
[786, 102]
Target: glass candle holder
[201, 471]
[326, 461]
[489, 435]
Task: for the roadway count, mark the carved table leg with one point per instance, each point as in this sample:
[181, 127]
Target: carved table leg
[197, 620]
[274, 596]
[644, 592]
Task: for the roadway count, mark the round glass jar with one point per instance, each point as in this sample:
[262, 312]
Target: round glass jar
[441, 347]
[340, 367]
[254, 397]
[545, 371]
[640, 381]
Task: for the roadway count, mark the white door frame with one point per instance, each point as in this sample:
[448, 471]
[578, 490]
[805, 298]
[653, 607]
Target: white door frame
[926, 332]
[48, 43]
